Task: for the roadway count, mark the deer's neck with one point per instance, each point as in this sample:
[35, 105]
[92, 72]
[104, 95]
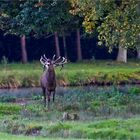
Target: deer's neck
[50, 74]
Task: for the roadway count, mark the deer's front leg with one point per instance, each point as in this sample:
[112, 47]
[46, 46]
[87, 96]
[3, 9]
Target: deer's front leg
[48, 94]
[44, 94]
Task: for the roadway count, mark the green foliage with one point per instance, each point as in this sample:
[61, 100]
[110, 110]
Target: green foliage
[120, 26]
[117, 22]
[8, 12]
[36, 18]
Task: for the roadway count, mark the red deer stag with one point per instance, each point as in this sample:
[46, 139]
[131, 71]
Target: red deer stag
[48, 78]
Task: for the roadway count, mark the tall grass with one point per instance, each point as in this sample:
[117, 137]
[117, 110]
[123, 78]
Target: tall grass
[99, 72]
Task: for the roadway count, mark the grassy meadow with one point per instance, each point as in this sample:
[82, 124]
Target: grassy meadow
[108, 112]
[73, 74]
[101, 113]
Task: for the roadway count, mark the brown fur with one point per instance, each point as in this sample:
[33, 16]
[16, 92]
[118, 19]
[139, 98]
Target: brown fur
[48, 83]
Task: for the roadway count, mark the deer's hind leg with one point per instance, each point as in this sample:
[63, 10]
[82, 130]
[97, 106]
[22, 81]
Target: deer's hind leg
[44, 94]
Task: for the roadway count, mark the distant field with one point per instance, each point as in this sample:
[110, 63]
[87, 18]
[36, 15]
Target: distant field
[84, 73]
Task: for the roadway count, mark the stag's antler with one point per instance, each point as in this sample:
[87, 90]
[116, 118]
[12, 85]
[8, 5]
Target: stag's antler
[57, 60]
[63, 61]
[44, 60]
[53, 57]
[60, 62]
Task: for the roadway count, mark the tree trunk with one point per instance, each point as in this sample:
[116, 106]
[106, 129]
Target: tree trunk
[57, 44]
[23, 50]
[122, 55]
[79, 52]
[64, 44]
[138, 54]
[138, 47]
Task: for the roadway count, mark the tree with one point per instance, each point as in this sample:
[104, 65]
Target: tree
[64, 44]
[57, 44]
[23, 49]
[79, 52]
[41, 18]
[8, 23]
[117, 22]
[138, 54]
[62, 22]
[59, 21]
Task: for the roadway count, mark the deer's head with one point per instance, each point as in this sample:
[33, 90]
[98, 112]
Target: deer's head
[51, 63]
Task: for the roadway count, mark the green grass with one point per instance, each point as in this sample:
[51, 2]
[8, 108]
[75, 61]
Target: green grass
[108, 113]
[90, 72]
[108, 129]
[103, 129]
[104, 113]
[5, 136]
[9, 109]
